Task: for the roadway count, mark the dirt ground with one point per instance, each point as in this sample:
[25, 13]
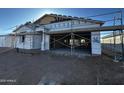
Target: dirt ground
[27, 69]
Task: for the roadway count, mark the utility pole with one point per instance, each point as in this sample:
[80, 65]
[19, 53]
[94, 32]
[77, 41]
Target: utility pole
[114, 41]
[122, 41]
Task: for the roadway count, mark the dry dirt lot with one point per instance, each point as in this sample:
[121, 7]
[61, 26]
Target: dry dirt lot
[43, 68]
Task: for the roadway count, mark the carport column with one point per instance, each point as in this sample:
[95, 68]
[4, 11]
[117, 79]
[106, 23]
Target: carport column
[95, 43]
[45, 42]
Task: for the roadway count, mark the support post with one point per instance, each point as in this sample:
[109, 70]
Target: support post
[43, 42]
[54, 42]
[72, 43]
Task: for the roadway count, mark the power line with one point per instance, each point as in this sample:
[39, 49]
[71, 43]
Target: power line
[112, 20]
[104, 14]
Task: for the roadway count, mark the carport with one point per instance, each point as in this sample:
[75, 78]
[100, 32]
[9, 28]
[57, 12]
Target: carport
[84, 40]
[76, 42]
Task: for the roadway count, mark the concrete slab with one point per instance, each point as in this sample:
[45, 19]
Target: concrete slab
[67, 52]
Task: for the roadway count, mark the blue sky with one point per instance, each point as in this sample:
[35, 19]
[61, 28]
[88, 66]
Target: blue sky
[10, 17]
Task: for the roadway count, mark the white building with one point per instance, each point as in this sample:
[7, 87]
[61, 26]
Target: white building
[53, 31]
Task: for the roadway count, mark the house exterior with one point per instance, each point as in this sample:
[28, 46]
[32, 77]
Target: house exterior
[53, 31]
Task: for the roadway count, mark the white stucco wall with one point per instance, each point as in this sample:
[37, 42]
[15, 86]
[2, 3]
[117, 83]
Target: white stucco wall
[37, 41]
[2, 41]
[45, 42]
[6, 41]
[30, 42]
[27, 44]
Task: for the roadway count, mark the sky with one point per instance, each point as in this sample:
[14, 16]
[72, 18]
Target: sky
[11, 17]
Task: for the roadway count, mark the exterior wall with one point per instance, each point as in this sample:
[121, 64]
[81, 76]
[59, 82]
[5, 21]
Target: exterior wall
[95, 43]
[30, 42]
[67, 25]
[6, 41]
[9, 41]
[27, 44]
[2, 41]
[37, 41]
[110, 40]
[45, 42]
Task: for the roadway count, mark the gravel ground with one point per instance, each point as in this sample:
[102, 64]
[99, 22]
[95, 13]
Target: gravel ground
[44, 68]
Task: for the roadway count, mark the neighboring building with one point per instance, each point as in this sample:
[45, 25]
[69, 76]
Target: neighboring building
[112, 42]
[53, 31]
[109, 39]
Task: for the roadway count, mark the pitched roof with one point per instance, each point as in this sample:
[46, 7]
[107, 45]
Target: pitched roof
[64, 17]
[28, 24]
[70, 18]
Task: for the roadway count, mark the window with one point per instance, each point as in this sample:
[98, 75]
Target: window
[82, 41]
[65, 41]
[23, 38]
[71, 42]
[74, 42]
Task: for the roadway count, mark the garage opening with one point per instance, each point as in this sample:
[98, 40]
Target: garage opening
[72, 42]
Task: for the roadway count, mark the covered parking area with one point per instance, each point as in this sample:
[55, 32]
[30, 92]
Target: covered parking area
[76, 42]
